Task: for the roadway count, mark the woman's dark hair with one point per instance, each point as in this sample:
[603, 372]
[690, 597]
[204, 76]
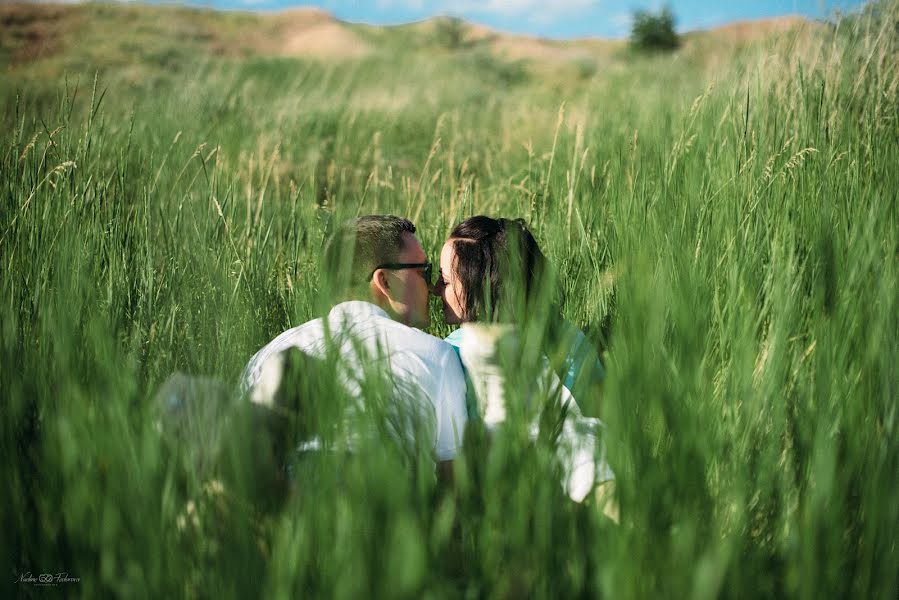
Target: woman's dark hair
[499, 265]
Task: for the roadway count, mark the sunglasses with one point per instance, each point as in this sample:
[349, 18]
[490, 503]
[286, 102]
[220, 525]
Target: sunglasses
[427, 269]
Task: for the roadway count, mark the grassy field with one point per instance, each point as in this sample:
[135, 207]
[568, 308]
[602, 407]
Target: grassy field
[724, 224]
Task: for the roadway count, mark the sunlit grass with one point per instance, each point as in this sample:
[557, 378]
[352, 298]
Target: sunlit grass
[727, 235]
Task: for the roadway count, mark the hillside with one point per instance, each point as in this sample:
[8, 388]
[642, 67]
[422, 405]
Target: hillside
[47, 39]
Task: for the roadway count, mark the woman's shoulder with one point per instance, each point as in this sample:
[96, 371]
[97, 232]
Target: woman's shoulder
[580, 354]
[572, 338]
[454, 339]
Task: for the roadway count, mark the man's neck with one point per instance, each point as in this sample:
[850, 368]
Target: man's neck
[380, 303]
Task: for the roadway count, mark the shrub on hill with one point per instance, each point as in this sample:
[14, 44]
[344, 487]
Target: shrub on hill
[450, 32]
[654, 31]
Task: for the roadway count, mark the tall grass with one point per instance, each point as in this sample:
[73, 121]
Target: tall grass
[728, 236]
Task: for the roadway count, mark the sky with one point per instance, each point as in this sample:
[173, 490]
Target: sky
[549, 18]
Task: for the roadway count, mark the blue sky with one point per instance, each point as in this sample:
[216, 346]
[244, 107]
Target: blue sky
[550, 18]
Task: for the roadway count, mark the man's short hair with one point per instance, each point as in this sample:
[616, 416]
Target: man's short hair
[359, 245]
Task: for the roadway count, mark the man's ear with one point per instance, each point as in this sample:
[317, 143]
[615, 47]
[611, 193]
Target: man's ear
[381, 282]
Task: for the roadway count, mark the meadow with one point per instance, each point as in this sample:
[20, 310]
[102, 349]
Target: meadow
[724, 225]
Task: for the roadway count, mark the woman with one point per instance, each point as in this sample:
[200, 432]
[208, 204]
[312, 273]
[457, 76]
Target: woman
[493, 274]
[492, 270]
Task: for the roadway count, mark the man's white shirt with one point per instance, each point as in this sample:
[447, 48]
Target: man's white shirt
[425, 372]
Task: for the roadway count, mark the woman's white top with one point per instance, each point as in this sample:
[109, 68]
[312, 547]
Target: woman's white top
[580, 449]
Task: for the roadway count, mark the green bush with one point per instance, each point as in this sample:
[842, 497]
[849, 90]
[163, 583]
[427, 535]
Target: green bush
[450, 32]
[654, 31]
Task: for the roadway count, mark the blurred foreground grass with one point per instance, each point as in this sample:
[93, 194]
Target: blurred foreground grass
[725, 227]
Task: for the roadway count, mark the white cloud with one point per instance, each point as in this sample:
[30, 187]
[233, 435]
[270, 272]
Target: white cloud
[537, 11]
[528, 7]
[622, 23]
[542, 11]
[415, 5]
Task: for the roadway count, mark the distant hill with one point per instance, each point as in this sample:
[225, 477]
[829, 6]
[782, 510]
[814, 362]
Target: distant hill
[49, 37]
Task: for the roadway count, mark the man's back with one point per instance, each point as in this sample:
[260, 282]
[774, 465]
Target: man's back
[423, 371]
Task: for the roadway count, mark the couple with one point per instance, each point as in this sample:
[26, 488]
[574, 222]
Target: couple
[490, 271]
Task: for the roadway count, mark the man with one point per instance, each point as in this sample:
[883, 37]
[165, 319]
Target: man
[378, 272]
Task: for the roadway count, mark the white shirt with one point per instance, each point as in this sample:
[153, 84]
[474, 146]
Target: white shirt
[424, 370]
